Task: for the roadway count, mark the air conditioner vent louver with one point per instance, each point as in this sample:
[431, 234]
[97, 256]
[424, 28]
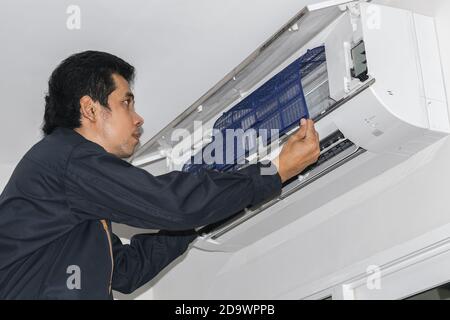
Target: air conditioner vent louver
[336, 150]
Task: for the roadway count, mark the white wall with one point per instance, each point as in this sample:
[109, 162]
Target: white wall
[360, 228]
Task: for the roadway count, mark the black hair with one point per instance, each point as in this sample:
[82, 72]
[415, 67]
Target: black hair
[85, 73]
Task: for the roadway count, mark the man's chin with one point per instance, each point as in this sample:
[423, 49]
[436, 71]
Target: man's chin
[127, 150]
[125, 154]
[128, 155]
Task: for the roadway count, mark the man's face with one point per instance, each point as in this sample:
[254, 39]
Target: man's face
[120, 127]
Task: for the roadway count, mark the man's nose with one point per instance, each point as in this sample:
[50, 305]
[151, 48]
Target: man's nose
[139, 120]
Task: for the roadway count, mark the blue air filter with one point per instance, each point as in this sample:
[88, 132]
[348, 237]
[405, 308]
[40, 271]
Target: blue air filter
[278, 104]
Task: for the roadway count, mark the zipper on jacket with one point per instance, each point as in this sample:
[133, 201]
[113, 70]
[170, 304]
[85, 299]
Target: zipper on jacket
[105, 226]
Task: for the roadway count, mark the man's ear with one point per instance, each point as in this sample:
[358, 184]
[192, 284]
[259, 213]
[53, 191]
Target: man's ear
[88, 108]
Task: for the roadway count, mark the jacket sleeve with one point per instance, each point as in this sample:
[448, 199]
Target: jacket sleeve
[146, 255]
[99, 185]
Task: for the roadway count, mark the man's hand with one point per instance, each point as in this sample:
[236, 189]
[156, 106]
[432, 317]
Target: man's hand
[301, 150]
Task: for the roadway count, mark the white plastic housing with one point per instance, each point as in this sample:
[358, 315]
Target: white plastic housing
[405, 109]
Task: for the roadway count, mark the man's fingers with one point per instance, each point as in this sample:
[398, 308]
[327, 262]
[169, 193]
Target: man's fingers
[310, 131]
[306, 130]
[301, 133]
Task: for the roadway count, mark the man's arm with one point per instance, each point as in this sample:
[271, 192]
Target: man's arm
[146, 255]
[101, 186]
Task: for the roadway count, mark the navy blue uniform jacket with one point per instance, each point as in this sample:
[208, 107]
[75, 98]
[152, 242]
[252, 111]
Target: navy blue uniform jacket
[57, 208]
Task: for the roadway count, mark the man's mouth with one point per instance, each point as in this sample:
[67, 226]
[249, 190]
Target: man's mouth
[136, 136]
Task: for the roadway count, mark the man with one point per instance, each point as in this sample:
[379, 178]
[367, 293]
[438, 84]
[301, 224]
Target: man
[56, 211]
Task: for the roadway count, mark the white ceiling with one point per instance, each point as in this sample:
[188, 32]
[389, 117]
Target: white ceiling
[180, 49]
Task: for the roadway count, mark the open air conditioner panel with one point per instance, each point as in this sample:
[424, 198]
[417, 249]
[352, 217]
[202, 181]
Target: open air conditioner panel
[307, 30]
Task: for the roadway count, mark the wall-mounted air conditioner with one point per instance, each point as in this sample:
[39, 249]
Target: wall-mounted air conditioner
[369, 75]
